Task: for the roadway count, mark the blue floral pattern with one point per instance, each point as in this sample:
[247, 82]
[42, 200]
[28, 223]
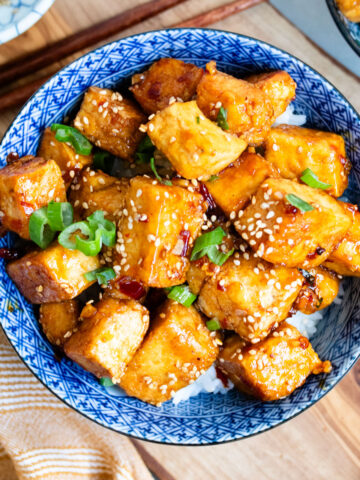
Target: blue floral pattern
[350, 30]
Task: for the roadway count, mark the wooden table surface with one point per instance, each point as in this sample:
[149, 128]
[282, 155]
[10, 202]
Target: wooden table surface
[321, 443]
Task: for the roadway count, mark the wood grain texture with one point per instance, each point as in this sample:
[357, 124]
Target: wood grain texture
[323, 442]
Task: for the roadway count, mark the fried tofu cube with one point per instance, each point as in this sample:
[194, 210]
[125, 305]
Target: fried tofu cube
[70, 162]
[59, 320]
[273, 368]
[26, 185]
[345, 259]
[111, 122]
[293, 149]
[249, 296]
[281, 233]
[194, 145]
[98, 191]
[177, 350]
[109, 335]
[52, 275]
[249, 110]
[350, 8]
[167, 80]
[320, 289]
[156, 231]
[236, 184]
[278, 86]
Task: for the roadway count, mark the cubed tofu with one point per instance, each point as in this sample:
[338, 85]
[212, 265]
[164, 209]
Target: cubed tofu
[273, 368]
[52, 275]
[111, 122]
[109, 335]
[350, 8]
[319, 290]
[249, 296]
[26, 185]
[156, 231]
[345, 259]
[59, 320]
[177, 350]
[200, 271]
[249, 110]
[98, 191]
[70, 162]
[194, 145]
[293, 149]
[283, 234]
[167, 80]
[236, 184]
[278, 86]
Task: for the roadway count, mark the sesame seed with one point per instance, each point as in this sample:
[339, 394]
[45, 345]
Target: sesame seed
[172, 140]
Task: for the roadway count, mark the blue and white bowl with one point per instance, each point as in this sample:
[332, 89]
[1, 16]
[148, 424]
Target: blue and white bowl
[349, 30]
[207, 418]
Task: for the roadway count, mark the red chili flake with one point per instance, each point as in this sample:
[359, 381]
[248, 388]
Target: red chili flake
[220, 287]
[206, 194]
[320, 250]
[9, 253]
[304, 343]
[66, 176]
[185, 237]
[290, 209]
[221, 376]
[132, 288]
[12, 157]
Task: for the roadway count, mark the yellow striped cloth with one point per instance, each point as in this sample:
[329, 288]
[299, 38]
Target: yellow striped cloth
[41, 438]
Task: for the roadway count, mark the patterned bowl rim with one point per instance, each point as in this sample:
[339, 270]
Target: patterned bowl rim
[342, 26]
[130, 435]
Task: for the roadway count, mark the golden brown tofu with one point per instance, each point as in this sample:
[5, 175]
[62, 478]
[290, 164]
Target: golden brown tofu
[283, 234]
[156, 231]
[278, 86]
[108, 337]
[345, 259]
[166, 80]
[273, 368]
[195, 148]
[98, 191]
[249, 110]
[176, 351]
[319, 290]
[52, 275]
[59, 320]
[110, 121]
[250, 296]
[236, 184]
[26, 185]
[199, 271]
[70, 162]
[350, 8]
[293, 149]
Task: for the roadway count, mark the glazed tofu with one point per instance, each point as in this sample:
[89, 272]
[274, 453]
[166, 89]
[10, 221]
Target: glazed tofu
[345, 259]
[166, 80]
[110, 122]
[155, 233]
[26, 185]
[283, 234]
[98, 191]
[109, 335]
[249, 110]
[293, 149]
[59, 320]
[350, 8]
[236, 184]
[278, 86]
[70, 162]
[52, 275]
[249, 296]
[274, 367]
[319, 290]
[194, 145]
[177, 350]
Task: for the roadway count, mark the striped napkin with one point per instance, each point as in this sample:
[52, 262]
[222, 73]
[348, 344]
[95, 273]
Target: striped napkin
[41, 438]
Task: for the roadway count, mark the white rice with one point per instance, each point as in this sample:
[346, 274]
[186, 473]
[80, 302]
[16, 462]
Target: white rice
[290, 118]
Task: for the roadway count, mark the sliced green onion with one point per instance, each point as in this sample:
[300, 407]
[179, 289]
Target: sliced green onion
[65, 239]
[153, 168]
[214, 237]
[198, 119]
[60, 215]
[103, 161]
[106, 382]
[213, 324]
[299, 203]
[90, 246]
[108, 229]
[182, 294]
[102, 275]
[65, 133]
[39, 228]
[145, 150]
[311, 179]
[218, 257]
[222, 119]
[213, 178]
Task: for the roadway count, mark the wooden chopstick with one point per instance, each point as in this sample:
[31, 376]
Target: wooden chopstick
[21, 94]
[89, 36]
